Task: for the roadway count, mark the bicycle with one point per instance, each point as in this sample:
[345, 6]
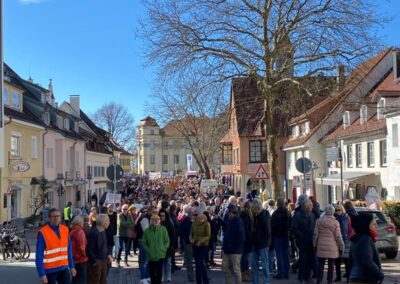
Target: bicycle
[12, 245]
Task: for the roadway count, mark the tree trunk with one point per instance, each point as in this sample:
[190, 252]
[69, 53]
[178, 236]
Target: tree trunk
[271, 138]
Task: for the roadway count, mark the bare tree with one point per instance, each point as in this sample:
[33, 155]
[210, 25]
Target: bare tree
[116, 119]
[39, 194]
[273, 41]
[196, 111]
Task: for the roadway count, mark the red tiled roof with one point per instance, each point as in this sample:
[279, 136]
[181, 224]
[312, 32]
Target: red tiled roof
[356, 129]
[322, 111]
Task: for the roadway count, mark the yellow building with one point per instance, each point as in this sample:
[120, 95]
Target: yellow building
[126, 162]
[23, 135]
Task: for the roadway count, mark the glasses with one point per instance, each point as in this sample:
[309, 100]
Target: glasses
[55, 216]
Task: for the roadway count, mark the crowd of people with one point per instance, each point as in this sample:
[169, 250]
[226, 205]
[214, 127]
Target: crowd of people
[274, 237]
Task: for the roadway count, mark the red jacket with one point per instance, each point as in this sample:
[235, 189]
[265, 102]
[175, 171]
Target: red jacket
[78, 239]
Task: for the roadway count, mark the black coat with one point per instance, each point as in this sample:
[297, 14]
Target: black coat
[248, 230]
[280, 223]
[262, 230]
[303, 225]
[234, 236]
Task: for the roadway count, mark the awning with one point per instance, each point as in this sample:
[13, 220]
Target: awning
[76, 182]
[335, 179]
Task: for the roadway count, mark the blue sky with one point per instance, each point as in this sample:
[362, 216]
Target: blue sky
[89, 48]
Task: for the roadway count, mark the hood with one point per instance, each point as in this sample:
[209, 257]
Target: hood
[326, 221]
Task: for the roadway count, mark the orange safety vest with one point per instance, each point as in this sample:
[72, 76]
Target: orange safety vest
[56, 250]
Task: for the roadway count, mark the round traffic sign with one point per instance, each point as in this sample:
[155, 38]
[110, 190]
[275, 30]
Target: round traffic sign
[303, 165]
[119, 172]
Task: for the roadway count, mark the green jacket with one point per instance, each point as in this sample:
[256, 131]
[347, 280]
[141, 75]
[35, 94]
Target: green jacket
[201, 232]
[124, 225]
[155, 242]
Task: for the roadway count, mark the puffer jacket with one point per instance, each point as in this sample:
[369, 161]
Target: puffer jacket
[327, 237]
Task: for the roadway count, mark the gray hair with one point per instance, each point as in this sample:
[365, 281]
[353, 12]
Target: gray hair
[329, 210]
[257, 204]
[78, 219]
[303, 200]
[231, 198]
[280, 202]
[101, 219]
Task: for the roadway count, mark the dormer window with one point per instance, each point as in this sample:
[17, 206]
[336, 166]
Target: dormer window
[59, 122]
[16, 100]
[295, 131]
[43, 98]
[346, 119]
[7, 78]
[46, 118]
[380, 108]
[306, 128]
[363, 114]
[66, 124]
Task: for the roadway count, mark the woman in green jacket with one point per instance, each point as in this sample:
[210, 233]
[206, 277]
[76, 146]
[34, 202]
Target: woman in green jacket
[155, 242]
[124, 224]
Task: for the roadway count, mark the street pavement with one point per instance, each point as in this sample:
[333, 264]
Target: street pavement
[16, 272]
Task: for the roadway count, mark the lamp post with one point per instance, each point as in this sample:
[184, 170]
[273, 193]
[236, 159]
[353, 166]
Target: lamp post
[60, 190]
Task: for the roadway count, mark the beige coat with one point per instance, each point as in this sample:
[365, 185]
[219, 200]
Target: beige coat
[327, 237]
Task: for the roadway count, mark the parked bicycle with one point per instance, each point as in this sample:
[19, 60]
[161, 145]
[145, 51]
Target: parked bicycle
[12, 245]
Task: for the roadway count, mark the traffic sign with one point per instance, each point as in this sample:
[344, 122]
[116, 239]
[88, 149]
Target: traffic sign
[119, 172]
[261, 173]
[303, 165]
[110, 185]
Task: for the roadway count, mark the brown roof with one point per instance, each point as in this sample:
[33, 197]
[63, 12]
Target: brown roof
[177, 128]
[319, 113]
[372, 125]
[148, 121]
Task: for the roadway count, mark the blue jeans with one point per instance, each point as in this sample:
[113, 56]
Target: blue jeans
[200, 257]
[271, 259]
[213, 248]
[167, 268]
[263, 255]
[143, 262]
[60, 277]
[116, 247]
[306, 262]
[188, 256]
[245, 261]
[282, 256]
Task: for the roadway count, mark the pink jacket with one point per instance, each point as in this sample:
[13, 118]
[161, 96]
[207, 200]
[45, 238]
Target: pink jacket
[327, 237]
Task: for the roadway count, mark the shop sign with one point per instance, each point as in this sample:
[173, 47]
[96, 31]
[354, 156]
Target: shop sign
[21, 166]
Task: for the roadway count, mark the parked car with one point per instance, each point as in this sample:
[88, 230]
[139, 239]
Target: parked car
[387, 241]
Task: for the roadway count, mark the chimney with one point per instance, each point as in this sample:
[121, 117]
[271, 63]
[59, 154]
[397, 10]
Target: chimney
[396, 65]
[75, 104]
[30, 80]
[341, 78]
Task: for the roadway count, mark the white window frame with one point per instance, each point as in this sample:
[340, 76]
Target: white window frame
[34, 147]
[395, 135]
[306, 127]
[16, 95]
[49, 158]
[371, 154]
[66, 123]
[176, 159]
[15, 152]
[295, 131]
[165, 160]
[5, 96]
[350, 155]
[60, 122]
[152, 159]
[346, 119]
[363, 114]
[383, 153]
[359, 155]
[380, 108]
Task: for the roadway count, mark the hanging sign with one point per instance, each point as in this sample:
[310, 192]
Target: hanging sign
[21, 166]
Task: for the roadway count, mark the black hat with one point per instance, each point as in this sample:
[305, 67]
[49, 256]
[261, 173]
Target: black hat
[361, 222]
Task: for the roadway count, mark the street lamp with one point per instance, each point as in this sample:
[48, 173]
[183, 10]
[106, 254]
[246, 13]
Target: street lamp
[60, 190]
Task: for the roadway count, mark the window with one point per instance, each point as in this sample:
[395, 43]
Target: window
[358, 156]
[382, 152]
[258, 152]
[5, 200]
[152, 159]
[350, 156]
[67, 159]
[151, 131]
[5, 96]
[346, 119]
[176, 159]
[49, 158]
[227, 154]
[176, 144]
[363, 114]
[295, 131]
[16, 100]
[103, 171]
[395, 135]
[371, 154]
[66, 124]
[46, 118]
[34, 147]
[76, 159]
[88, 170]
[380, 108]
[306, 128]
[255, 151]
[165, 159]
[15, 145]
[165, 145]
